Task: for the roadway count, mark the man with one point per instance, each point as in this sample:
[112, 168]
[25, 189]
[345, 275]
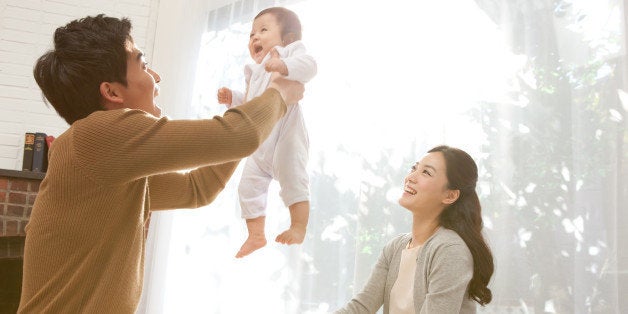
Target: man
[119, 159]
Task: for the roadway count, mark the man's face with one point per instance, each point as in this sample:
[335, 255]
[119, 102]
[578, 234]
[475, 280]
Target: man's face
[142, 87]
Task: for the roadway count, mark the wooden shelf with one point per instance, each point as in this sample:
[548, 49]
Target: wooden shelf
[22, 174]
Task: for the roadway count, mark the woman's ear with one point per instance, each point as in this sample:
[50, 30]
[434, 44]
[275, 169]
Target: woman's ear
[111, 95]
[451, 197]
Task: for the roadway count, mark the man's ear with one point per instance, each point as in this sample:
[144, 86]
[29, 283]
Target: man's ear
[112, 98]
[451, 197]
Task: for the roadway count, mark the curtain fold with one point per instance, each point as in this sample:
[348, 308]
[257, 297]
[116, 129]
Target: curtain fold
[175, 53]
[566, 173]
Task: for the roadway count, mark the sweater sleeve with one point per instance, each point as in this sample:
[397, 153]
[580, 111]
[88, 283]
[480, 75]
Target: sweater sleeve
[371, 298]
[192, 189]
[450, 272]
[119, 146]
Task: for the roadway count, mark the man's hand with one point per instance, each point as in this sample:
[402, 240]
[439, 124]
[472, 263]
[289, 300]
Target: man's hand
[275, 64]
[224, 96]
[291, 91]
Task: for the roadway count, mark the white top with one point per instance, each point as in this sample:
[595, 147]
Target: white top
[402, 293]
[301, 68]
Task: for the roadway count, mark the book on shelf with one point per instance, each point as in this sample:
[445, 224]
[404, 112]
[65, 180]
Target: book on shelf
[40, 153]
[49, 139]
[29, 145]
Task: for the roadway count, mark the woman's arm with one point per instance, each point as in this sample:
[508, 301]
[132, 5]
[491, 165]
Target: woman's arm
[371, 298]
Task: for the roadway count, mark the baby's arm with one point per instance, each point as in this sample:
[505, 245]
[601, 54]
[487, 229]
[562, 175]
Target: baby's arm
[301, 66]
[296, 65]
[275, 64]
[229, 97]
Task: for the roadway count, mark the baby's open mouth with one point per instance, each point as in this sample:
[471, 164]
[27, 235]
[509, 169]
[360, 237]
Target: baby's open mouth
[257, 49]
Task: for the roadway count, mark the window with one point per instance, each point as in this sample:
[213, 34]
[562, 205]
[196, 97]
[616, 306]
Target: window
[531, 90]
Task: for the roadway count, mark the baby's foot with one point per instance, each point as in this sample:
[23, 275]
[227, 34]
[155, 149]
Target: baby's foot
[294, 235]
[252, 243]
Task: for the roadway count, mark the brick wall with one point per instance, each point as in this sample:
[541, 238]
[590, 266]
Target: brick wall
[26, 28]
[17, 196]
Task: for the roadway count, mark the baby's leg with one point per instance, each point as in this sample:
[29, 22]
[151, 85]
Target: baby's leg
[299, 215]
[253, 191]
[256, 239]
[289, 168]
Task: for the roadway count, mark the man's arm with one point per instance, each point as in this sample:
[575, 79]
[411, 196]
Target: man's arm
[125, 145]
[192, 189]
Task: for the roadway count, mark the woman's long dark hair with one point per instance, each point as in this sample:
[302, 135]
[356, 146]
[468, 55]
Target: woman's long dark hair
[464, 217]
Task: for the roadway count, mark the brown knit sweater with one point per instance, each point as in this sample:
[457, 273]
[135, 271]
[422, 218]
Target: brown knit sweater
[84, 249]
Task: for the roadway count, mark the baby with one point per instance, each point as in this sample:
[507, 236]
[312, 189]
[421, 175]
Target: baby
[275, 46]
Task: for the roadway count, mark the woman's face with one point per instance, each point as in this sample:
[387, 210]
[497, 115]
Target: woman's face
[425, 187]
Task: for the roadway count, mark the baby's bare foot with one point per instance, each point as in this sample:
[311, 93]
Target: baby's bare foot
[294, 235]
[252, 243]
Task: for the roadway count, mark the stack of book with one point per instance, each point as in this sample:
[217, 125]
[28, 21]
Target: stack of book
[36, 151]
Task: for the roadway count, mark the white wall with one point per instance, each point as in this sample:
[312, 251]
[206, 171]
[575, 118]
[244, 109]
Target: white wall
[26, 28]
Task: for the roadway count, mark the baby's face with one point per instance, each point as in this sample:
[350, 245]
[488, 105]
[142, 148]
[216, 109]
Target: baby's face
[265, 35]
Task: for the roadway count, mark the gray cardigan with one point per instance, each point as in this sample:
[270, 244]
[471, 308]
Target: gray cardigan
[444, 269]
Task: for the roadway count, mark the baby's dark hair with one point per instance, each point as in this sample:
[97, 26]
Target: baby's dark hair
[289, 21]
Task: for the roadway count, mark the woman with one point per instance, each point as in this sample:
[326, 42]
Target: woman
[444, 264]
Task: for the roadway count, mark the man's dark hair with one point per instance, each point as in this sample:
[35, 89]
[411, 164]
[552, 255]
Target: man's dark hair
[86, 52]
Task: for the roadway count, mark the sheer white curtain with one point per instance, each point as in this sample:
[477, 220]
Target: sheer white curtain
[531, 89]
[175, 55]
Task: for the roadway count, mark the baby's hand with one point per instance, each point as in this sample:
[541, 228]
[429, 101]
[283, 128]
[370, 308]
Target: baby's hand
[224, 96]
[275, 64]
